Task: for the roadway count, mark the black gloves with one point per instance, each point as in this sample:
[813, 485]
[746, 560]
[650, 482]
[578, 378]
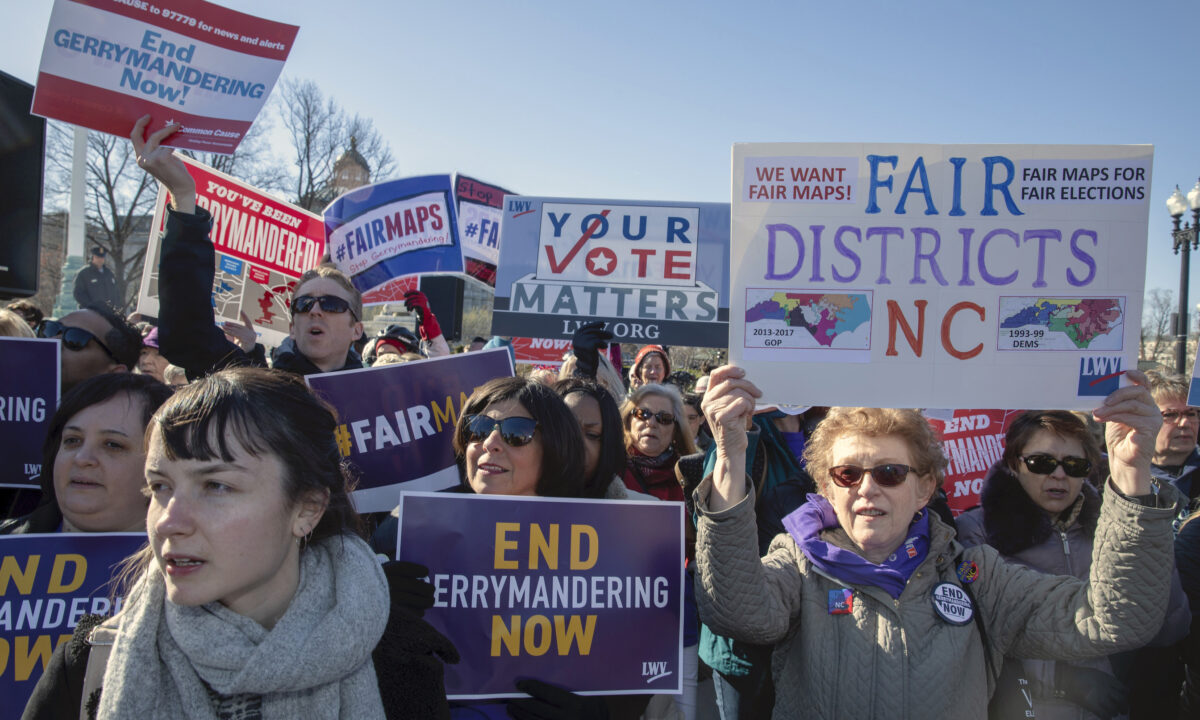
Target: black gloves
[586, 343]
[1093, 690]
[549, 702]
[407, 589]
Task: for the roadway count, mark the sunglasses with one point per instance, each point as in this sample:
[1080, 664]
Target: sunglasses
[1041, 464]
[514, 431]
[889, 475]
[663, 418]
[329, 303]
[72, 337]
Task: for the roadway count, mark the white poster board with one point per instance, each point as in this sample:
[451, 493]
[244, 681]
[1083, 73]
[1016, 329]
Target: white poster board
[898, 275]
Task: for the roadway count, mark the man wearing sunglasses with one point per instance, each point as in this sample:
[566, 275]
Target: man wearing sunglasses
[326, 309]
[95, 340]
[1176, 459]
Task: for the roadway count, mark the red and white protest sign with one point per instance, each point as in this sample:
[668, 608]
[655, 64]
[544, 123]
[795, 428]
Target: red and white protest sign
[480, 209]
[105, 64]
[392, 291]
[543, 352]
[263, 245]
[973, 441]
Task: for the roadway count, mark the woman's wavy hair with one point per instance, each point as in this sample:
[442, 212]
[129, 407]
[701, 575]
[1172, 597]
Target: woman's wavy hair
[612, 436]
[562, 440]
[925, 449]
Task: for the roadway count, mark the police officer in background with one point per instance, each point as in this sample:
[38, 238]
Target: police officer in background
[95, 284]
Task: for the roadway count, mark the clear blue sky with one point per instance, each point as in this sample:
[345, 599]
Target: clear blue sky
[642, 100]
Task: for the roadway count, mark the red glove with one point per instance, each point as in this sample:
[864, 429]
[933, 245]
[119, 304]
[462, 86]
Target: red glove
[415, 301]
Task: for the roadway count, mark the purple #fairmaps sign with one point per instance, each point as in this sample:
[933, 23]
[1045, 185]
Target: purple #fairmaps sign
[585, 594]
[388, 230]
[396, 422]
[28, 397]
[48, 582]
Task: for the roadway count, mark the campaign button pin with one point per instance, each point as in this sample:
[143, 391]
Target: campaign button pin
[968, 572]
[841, 602]
[952, 604]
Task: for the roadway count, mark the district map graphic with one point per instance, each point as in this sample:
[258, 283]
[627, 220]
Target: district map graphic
[1041, 323]
[808, 320]
[228, 284]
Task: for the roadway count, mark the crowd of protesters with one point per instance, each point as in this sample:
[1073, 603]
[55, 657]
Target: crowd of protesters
[825, 574]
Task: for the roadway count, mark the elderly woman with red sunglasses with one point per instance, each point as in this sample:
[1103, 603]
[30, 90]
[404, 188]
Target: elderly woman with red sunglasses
[1040, 509]
[873, 606]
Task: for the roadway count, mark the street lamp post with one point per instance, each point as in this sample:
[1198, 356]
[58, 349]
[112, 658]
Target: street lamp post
[1185, 238]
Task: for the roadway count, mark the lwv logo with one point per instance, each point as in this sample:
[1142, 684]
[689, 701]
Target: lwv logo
[654, 671]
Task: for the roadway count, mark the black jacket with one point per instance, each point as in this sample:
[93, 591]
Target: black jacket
[97, 286]
[46, 518]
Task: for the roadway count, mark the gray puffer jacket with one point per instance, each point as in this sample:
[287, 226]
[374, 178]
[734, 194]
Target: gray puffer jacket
[898, 658]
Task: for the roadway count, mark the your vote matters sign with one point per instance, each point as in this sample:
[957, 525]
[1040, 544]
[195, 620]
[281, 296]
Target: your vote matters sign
[653, 272]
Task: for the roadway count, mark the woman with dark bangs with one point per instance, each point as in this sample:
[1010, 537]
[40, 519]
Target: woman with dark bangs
[256, 598]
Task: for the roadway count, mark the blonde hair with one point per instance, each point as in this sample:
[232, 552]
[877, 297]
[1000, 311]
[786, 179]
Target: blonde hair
[13, 325]
[1165, 387]
[909, 425]
[606, 375]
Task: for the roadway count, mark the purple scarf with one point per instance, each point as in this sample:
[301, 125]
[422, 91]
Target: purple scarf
[806, 523]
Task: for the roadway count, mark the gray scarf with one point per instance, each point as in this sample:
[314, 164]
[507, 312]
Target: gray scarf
[315, 662]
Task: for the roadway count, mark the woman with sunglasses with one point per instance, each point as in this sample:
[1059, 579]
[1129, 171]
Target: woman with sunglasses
[870, 601]
[517, 437]
[1039, 508]
[655, 438]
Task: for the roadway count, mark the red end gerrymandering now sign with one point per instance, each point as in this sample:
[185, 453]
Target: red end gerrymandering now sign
[105, 64]
[973, 441]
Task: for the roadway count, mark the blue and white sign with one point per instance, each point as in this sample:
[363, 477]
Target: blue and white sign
[389, 230]
[653, 272]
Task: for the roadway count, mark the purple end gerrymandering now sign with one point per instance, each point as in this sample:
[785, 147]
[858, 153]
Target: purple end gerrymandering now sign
[585, 594]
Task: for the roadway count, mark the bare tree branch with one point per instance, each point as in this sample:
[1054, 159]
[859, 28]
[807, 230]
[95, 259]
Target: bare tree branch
[320, 131]
[1156, 321]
